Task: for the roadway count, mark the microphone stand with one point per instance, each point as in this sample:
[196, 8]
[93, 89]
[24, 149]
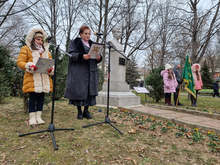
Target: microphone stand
[51, 128]
[107, 119]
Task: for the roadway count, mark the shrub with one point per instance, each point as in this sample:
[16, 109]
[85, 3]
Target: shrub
[131, 73]
[206, 76]
[61, 73]
[6, 70]
[155, 81]
[101, 79]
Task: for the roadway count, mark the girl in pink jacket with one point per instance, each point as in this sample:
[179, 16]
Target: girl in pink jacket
[170, 83]
[197, 81]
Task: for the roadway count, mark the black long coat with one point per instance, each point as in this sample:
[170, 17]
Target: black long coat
[82, 78]
[178, 76]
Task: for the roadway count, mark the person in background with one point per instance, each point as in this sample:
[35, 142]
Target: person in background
[216, 89]
[82, 76]
[170, 83]
[178, 74]
[197, 81]
[36, 84]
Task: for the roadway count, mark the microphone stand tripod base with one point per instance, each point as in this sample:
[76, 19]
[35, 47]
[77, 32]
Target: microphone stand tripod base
[107, 121]
[51, 129]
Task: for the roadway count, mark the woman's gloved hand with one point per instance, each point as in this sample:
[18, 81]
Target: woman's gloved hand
[30, 67]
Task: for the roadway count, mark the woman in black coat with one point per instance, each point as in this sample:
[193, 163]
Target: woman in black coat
[82, 77]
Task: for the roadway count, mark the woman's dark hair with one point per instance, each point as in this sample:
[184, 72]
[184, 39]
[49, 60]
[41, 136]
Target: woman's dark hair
[83, 28]
[197, 75]
[33, 47]
[170, 75]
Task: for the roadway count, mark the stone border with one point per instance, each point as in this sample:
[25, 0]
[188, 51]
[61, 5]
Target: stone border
[184, 110]
[202, 128]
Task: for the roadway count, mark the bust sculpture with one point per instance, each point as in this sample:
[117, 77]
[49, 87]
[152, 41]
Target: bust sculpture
[115, 41]
[116, 33]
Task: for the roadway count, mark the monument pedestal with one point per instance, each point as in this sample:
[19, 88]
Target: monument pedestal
[119, 95]
[118, 99]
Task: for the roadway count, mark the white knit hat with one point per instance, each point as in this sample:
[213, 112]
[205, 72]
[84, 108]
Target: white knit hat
[168, 66]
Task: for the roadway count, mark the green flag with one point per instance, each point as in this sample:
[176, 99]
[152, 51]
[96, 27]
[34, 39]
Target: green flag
[188, 77]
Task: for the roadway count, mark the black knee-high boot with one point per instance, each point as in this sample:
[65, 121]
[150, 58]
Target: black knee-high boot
[79, 115]
[169, 101]
[193, 101]
[86, 113]
[166, 98]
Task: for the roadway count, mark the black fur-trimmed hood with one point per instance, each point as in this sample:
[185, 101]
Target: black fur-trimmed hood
[79, 44]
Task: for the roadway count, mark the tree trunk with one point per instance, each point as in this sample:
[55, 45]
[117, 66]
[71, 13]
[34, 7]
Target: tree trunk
[194, 40]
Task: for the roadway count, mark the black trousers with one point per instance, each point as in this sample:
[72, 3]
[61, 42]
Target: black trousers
[36, 102]
[175, 96]
[167, 95]
[80, 109]
[216, 93]
[194, 100]
[167, 98]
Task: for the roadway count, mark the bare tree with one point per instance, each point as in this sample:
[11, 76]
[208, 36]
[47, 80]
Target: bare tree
[57, 17]
[164, 27]
[153, 57]
[181, 45]
[101, 16]
[137, 25]
[12, 30]
[69, 14]
[8, 9]
[200, 27]
[12, 25]
[130, 22]
[211, 59]
[48, 17]
[134, 18]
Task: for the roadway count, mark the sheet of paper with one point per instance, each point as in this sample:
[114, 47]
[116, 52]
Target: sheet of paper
[141, 90]
[43, 64]
[95, 50]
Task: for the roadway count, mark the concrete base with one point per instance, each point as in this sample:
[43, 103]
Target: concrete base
[118, 99]
[116, 86]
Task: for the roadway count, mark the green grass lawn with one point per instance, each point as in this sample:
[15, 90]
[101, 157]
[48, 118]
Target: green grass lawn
[204, 103]
[146, 140]
[208, 90]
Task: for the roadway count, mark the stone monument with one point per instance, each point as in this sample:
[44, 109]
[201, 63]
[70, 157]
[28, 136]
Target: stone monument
[120, 95]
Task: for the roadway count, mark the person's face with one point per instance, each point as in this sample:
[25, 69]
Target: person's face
[85, 35]
[178, 66]
[38, 41]
[197, 67]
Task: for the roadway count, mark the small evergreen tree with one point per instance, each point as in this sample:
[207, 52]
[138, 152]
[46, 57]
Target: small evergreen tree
[206, 76]
[20, 80]
[155, 82]
[6, 70]
[101, 79]
[131, 73]
[61, 73]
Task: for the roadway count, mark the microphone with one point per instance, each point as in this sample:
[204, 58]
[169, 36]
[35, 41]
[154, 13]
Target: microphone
[98, 34]
[48, 39]
[110, 43]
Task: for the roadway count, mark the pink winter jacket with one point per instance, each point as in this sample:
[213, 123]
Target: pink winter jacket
[198, 83]
[169, 84]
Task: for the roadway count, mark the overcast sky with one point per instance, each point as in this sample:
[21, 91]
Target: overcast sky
[204, 4]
